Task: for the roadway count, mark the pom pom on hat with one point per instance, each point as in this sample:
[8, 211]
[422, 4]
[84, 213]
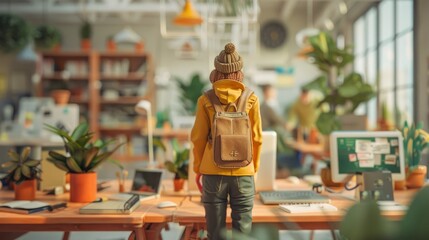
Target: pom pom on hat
[229, 48]
[228, 60]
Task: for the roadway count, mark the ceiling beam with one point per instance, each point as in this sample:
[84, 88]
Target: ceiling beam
[287, 9]
[329, 11]
[73, 8]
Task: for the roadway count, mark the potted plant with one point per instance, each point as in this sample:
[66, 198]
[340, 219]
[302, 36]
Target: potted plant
[415, 141]
[179, 166]
[81, 158]
[110, 44]
[46, 37]
[61, 91]
[190, 92]
[139, 46]
[341, 94]
[85, 36]
[15, 33]
[23, 173]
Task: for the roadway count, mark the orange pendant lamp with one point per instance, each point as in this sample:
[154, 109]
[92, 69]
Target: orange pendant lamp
[188, 17]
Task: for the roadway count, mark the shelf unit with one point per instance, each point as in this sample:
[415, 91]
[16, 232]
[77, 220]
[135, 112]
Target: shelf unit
[72, 70]
[112, 84]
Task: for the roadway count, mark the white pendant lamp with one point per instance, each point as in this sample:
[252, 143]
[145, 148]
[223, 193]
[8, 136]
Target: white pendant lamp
[127, 35]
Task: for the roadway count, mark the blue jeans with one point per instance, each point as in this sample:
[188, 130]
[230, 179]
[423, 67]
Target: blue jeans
[241, 192]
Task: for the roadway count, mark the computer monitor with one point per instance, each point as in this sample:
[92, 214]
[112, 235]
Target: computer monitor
[364, 151]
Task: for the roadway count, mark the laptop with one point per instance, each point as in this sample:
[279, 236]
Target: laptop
[147, 183]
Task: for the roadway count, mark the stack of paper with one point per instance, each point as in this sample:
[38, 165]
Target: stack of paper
[311, 207]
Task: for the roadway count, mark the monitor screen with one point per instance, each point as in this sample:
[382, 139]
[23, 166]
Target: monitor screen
[364, 151]
[147, 181]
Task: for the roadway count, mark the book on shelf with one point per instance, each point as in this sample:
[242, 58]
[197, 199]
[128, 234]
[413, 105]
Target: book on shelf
[112, 206]
[28, 207]
[308, 207]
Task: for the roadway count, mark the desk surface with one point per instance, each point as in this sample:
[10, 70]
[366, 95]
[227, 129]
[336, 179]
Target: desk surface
[69, 219]
[189, 212]
[192, 211]
[310, 148]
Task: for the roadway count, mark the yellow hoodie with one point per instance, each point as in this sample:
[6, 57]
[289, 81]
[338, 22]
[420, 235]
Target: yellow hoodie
[227, 91]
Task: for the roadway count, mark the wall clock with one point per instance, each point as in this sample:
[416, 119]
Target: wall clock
[273, 34]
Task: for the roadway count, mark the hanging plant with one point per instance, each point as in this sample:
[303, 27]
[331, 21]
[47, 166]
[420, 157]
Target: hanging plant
[15, 33]
[46, 37]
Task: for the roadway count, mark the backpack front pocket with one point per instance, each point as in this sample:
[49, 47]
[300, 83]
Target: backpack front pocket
[234, 147]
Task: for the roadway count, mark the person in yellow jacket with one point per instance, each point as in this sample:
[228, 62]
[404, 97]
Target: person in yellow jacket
[221, 184]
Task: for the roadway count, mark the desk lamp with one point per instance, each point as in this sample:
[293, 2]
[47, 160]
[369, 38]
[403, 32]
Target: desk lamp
[143, 107]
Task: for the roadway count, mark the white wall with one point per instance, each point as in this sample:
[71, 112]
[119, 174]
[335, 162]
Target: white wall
[165, 58]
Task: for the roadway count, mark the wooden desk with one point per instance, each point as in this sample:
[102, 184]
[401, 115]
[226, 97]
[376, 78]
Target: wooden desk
[191, 213]
[69, 219]
[306, 148]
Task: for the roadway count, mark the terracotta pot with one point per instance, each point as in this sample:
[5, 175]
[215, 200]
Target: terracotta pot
[139, 47]
[85, 44]
[178, 184]
[26, 190]
[83, 187]
[416, 179]
[61, 97]
[111, 46]
[400, 185]
[56, 48]
[325, 174]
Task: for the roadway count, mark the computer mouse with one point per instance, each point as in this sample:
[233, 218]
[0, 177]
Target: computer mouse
[166, 204]
[293, 179]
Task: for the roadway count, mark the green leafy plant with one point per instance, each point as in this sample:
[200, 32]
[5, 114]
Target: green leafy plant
[341, 94]
[162, 117]
[364, 221]
[190, 92]
[415, 141]
[46, 37]
[15, 33]
[179, 166]
[82, 155]
[21, 167]
[86, 30]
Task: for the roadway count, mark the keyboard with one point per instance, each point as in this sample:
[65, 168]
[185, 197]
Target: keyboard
[292, 197]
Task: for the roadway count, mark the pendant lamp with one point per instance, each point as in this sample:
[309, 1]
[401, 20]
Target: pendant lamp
[303, 34]
[127, 35]
[188, 17]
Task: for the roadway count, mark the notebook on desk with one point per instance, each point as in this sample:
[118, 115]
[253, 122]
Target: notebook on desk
[292, 197]
[112, 206]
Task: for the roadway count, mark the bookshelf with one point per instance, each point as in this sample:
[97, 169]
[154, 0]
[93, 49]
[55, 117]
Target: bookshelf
[106, 86]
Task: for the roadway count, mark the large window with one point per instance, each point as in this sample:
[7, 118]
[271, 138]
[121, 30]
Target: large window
[383, 46]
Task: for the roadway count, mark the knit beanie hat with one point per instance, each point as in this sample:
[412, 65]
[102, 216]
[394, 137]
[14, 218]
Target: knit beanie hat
[228, 60]
[228, 65]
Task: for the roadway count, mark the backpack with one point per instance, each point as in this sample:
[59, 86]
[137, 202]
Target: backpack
[231, 133]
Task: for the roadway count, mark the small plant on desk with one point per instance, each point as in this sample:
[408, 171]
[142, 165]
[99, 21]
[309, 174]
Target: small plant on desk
[81, 158]
[179, 166]
[23, 173]
[415, 141]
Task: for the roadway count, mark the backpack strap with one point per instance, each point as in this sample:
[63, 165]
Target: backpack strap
[242, 101]
[214, 100]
